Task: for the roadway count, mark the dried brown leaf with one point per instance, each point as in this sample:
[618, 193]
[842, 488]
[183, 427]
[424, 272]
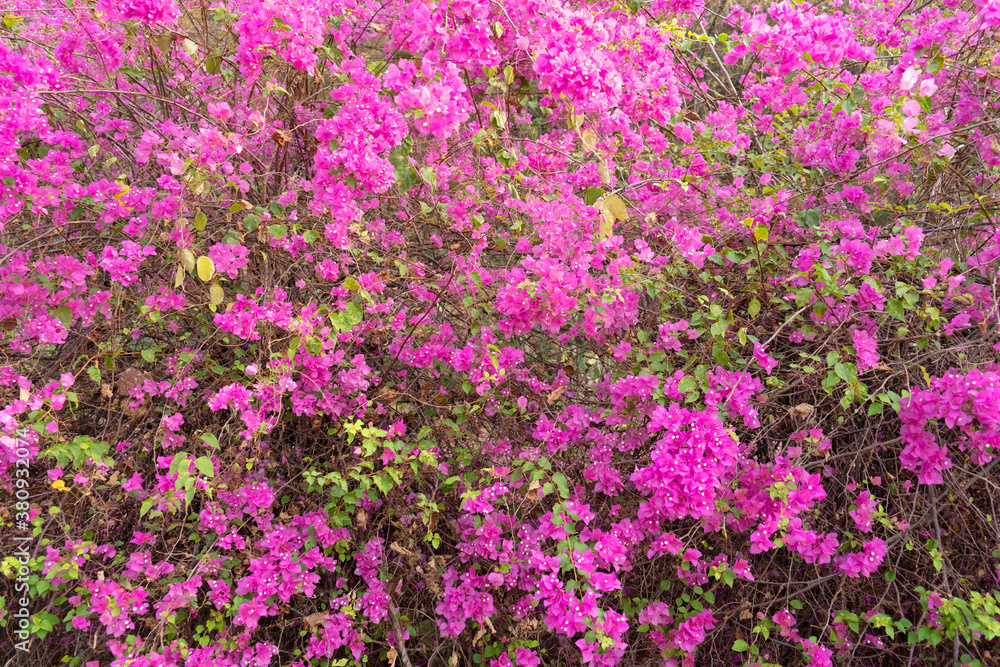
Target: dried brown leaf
[401, 550]
[802, 410]
[314, 620]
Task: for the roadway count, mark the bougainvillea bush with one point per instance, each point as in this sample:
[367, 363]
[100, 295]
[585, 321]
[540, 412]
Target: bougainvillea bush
[522, 332]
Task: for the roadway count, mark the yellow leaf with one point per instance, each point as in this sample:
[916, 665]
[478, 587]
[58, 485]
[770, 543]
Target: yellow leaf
[216, 295]
[125, 190]
[200, 220]
[59, 485]
[589, 138]
[179, 277]
[206, 268]
[187, 258]
[607, 225]
[602, 169]
[617, 207]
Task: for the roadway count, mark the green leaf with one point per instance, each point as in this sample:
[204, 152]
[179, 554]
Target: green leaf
[935, 64]
[406, 177]
[384, 483]
[95, 374]
[212, 63]
[740, 646]
[831, 380]
[353, 314]
[803, 296]
[231, 237]
[760, 232]
[250, 222]
[754, 307]
[687, 385]
[200, 220]
[205, 467]
[278, 231]
[560, 481]
[309, 236]
[846, 372]
[592, 195]
[895, 308]
[719, 355]
[429, 176]
[64, 315]
[210, 440]
[351, 283]
[149, 354]
[875, 409]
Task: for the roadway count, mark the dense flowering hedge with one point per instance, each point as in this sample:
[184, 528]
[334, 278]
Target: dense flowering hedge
[523, 332]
